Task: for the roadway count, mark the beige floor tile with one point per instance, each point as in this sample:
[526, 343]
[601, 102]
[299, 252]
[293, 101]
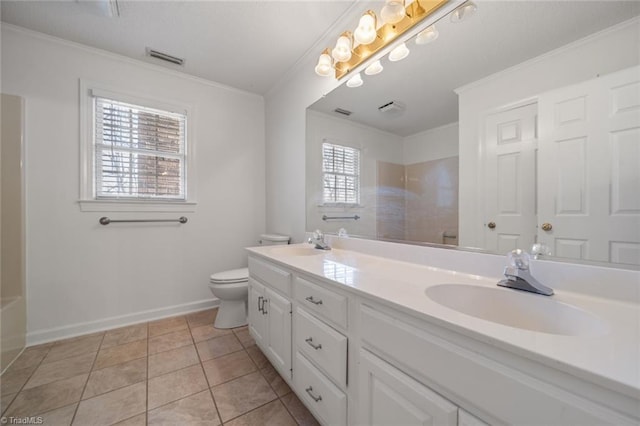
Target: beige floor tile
[167, 325]
[277, 383]
[206, 332]
[202, 318]
[166, 342]
[121, 353]
[219, 346]
[242, 333]
[272, 414]
[258, 357]
[124, 335]
[115, 377]
[13, 380]
[38, 400]
[31, 357]
[139, 420]
[5, 400]
[60, 416]
[228, 367]
[175, 359]
[173, 386]
[297, 409]
[63, 369]
[112, 407]
[241, 395]
[194, 410]
[74, 347]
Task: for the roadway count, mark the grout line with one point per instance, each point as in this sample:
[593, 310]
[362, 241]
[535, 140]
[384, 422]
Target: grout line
[84, 388]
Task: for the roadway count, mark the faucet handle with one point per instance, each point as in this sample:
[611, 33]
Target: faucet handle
[518, 259]
[318, 235]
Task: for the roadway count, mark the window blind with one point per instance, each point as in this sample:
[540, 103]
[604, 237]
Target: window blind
[341, 174]
[139, 151]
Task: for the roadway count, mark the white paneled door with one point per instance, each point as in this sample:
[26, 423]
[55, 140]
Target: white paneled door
[589, 169]
[510, 179]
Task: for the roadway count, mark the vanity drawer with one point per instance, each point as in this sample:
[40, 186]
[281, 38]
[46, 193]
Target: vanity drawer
[321, 396]
[323, 345]
[326, 303]
[271, 275]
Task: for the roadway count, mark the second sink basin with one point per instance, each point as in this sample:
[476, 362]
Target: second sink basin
[517, 309]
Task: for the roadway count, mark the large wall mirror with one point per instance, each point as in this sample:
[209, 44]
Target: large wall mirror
[518, 126]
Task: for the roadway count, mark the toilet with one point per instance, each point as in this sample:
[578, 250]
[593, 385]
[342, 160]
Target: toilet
[232, 288]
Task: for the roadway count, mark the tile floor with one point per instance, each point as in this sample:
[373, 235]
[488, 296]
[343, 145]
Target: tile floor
[173, 371]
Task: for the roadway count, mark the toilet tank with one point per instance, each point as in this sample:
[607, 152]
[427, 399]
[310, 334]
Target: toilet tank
[273, 239]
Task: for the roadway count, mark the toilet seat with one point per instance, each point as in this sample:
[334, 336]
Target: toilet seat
[230, 277]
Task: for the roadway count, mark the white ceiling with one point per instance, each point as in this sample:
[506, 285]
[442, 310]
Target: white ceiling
[500, 35]
[244, 44]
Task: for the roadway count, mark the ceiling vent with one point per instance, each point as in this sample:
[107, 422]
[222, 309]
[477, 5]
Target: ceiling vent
[392, 107]
[164, 57]
[342, 111]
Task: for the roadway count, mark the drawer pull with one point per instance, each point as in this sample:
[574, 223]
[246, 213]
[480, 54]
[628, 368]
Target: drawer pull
[310, 342]
[310, 392]
[260, 300]
[264, 311]
[312, 300]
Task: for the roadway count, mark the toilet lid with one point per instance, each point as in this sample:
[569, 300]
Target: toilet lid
[230, 277]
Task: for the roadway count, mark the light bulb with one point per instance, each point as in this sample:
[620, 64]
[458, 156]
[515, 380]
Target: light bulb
[374, 68]
[355, 81]
[342, 51]
[324, 66]
[427, 35]
[393, 11]
[366, 31]
[464, 12]
[399, 53]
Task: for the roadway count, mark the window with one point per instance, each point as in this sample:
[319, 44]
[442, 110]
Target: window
[136, 152]
[340, 174]
[139, 151]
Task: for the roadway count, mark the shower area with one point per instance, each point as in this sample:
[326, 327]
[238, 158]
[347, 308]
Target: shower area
[13, 318]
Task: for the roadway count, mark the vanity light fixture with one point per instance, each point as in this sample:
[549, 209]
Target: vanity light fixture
[427, 35]
[366, 31]
[393, 11]
[374, 68]
[342, 51]
[399, 53]
[325, 64]
[355, 81]
[464, 12]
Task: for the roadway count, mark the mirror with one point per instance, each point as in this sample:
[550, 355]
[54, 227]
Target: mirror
[519, 126]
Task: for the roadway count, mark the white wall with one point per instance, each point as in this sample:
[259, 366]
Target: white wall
[374, 145]
[432, 144]
[83, 276]
[603, 53]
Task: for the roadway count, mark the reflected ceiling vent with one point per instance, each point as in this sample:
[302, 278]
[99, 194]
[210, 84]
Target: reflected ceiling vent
[392, 107]
[342, 111]
[164, 57]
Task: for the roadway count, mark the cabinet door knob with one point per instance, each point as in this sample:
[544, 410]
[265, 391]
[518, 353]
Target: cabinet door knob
[312, 300]
[547, 226]
[309, 390]
[310, 343]
[491, 225]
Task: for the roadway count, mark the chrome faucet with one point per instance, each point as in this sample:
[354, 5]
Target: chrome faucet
[318, 240]
[518, 276]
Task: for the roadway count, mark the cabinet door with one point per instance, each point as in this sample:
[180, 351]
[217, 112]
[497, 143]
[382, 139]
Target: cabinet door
[279, 331]
[388, 396]
[257, 318]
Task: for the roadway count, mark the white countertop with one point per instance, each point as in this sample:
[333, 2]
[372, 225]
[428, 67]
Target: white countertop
[610, 359]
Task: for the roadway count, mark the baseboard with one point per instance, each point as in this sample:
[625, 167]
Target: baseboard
[52, 334]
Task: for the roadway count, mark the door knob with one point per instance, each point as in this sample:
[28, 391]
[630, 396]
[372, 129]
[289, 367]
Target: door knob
[491, 225]
[547, 226]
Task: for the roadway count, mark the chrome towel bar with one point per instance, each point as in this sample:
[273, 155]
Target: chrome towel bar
[354, 217]
[105, 220]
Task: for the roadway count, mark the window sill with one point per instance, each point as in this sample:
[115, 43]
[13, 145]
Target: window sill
[137, 206]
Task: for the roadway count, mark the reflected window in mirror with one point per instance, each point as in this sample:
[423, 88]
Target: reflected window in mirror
[340, 175]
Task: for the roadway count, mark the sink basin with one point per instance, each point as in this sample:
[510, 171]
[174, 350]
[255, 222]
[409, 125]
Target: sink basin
[517, 309]
[302, 251]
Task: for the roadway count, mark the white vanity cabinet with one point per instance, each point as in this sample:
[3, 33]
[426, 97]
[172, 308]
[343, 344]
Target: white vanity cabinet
[269, 312]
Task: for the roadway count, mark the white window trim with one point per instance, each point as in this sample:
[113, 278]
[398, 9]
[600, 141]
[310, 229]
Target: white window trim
[88, 201]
